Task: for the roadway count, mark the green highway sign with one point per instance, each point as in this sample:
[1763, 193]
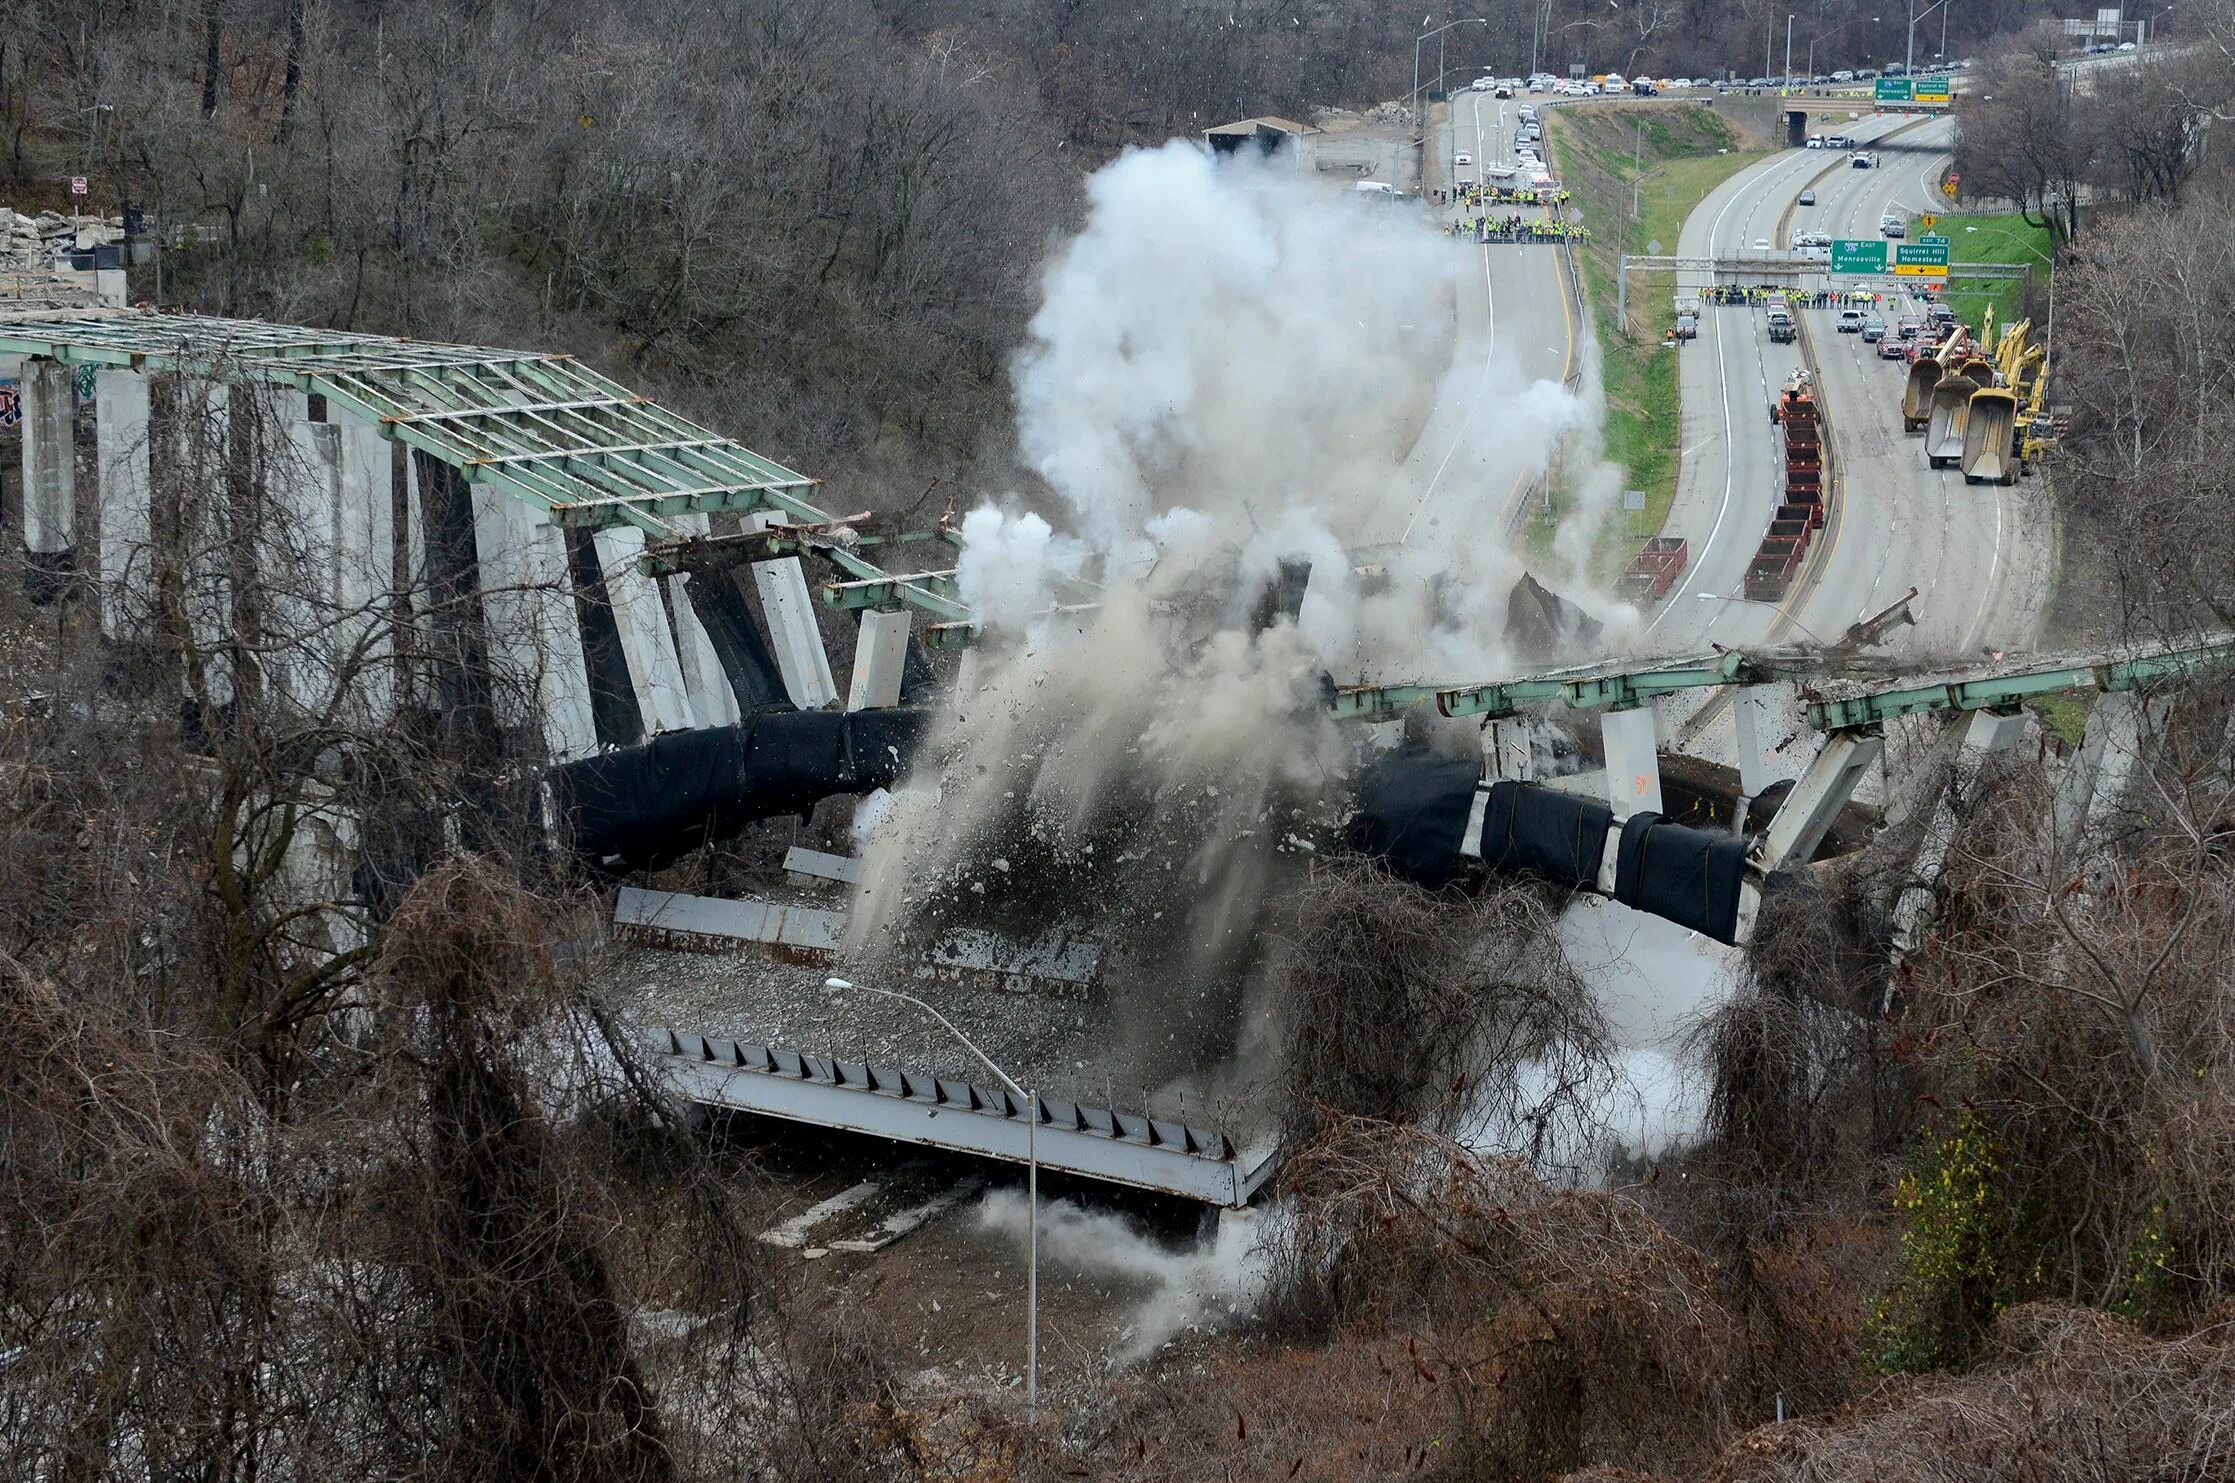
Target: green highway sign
[1930, 90]
[1859, 255]
[1921, 259]
[1895, 90]
[1931, 241]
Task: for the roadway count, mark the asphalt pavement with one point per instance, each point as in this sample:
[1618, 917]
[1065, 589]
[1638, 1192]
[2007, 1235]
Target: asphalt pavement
[1484, 442]
[1978, 555]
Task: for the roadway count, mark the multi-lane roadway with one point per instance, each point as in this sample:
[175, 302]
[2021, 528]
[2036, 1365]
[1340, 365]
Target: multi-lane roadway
[1495, 415]
[1977, 554]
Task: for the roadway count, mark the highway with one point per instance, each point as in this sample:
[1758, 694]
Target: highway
[1979, 556]
[1487, 438]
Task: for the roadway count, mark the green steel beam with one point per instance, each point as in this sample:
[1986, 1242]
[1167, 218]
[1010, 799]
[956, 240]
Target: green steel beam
[888, 592]
[1634, 688]
[1999, 692]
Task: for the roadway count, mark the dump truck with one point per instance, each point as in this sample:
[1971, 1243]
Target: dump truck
[1654, 570]
[1800, 511]
[1979, 372]
[1916, 398]
[1990, 427]
[1951, 404]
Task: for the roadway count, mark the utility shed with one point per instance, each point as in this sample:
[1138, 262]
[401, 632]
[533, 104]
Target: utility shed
[1270, 138]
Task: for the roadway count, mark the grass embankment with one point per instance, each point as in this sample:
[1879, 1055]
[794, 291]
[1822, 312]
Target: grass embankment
[1675, 155]
[1991, 239]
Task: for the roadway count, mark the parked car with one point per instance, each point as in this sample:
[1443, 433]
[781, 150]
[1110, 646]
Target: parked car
[1850, 321]
[1892, 348]
[1462, 158]
[1892, 225]
[1908, 325]
[1864, 159]
[1873, 329]
[1503, 91]
[1761, 244]
[1807, 198]
[1840, 141]
[1815, 141]
[1843, 76]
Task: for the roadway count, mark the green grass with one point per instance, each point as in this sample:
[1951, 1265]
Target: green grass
[1991, 239]
[1597, 154]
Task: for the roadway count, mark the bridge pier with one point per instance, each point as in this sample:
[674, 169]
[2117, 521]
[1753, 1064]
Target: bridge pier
[49, 399]
[2101, 767]
[126, 595]
[1817, 797]
[1985, 735]
[647, 643]
[705, 682]
[1633, 765]
[880, 653]
[527, 602]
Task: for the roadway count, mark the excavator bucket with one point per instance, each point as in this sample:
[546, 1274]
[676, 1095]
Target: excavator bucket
[1951, 401]
[1990, 426]
[1916, 398]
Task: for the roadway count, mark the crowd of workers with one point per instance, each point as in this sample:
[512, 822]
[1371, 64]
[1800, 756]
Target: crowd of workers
[1762, 295]
[1515, 229]
[1475, 196]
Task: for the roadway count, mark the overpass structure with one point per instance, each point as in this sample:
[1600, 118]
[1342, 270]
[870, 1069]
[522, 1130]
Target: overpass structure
[1848, 700]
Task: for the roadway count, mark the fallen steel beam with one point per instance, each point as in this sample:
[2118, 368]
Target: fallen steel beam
[964, 1117]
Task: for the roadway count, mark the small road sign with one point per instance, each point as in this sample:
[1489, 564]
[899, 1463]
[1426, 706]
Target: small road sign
[77, 185]
[1927, 222]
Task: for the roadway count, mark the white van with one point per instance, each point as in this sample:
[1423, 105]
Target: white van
[1374, 188]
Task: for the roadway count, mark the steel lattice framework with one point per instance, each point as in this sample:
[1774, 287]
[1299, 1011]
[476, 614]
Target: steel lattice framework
[544, 428]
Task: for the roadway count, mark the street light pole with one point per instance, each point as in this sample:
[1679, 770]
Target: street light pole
[1788, 51]
[1828, 35]
[1031, 1102]
[1416, 118]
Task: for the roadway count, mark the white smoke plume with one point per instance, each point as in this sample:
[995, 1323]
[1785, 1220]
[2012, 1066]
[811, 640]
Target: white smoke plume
[1191, 1288]
[1232, 367]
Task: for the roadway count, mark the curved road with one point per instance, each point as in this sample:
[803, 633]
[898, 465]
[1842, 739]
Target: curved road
[1978, 555]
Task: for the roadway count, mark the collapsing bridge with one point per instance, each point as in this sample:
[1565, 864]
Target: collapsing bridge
[646, 577]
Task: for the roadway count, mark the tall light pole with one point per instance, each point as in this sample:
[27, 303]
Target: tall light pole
[1788, 51]
[1828, 35]
[1909, 64]
[1032, 1189]
[1423, 36]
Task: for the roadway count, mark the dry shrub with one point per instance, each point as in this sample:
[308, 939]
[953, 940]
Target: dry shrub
[1481, 1322]
[1397, 1002]
[2059, 1395]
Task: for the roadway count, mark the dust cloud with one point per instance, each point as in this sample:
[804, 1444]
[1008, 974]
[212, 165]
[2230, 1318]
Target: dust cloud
[1228, 375]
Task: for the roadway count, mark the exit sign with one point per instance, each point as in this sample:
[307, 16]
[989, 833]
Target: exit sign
[1895, 90]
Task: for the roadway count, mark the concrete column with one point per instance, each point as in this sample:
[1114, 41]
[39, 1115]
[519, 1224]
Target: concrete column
[1633, 766]
[1506, 753]
[1757, 714]
[1817, 797]
[297, 561]
[201, 456]
[967, 664]
[790, 611]
[120, 400]
[364, 557]
[647, 642]
[535, 636]
[1984, 733]
[2097, 773]
[50, 467]
[880, 652]
[705, 683]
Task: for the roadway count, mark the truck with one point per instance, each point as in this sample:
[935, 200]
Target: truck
[1800, 511]
[1781, 328]
[1654, 570]
[1990, 453]
[1687, 317]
